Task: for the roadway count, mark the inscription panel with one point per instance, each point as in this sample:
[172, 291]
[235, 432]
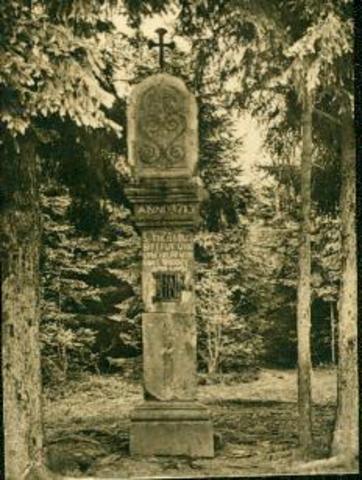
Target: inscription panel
[165, 209]
[167, 249]
[167, 269]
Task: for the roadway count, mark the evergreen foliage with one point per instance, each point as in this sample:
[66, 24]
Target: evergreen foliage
[91, 306]
[77, 130]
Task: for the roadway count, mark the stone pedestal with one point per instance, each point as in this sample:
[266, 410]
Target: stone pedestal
[171, 428]
[166, 195]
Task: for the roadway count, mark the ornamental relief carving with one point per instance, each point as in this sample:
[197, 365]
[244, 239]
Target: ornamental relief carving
[161, 128]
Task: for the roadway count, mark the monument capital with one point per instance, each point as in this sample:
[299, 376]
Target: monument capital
[162, 129]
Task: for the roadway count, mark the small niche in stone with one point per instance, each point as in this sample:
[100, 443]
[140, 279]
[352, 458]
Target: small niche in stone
[169, 286]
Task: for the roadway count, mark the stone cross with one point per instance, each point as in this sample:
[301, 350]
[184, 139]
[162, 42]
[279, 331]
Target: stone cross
[166, 193]
[151, 44]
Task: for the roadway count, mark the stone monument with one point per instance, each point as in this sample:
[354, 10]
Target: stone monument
[166, 193]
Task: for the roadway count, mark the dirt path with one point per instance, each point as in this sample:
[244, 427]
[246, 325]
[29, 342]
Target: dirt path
[255, 426]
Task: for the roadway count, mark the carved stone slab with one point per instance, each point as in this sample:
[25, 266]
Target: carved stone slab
[167, 271]
[162, 128]
[169, 355]
[166, 194]
[166, 202]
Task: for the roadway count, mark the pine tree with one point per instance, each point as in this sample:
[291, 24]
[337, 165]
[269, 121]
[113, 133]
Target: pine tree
[345, 440]
[51, 67]
[260, 55]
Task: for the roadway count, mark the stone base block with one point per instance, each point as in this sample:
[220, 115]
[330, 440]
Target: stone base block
[171, 428]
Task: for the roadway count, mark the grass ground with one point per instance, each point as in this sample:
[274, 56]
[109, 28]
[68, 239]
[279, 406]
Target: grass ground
[255, 426]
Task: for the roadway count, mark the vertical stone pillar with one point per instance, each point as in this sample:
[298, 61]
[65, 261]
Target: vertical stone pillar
[162, 143]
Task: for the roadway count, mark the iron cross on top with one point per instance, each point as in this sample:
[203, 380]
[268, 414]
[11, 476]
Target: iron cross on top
[161, 33]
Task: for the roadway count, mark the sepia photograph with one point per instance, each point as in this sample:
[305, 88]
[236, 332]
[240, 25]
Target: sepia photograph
[178, 239]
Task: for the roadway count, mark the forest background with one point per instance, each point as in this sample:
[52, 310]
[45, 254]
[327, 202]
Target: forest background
[246, 251]
[268, 233]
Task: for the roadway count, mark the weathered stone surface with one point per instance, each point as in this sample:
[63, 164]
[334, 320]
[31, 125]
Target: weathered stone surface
[166, 202]
[169, 355]
[167, 251]
[162, 128]
[166, 194]
[171, 428]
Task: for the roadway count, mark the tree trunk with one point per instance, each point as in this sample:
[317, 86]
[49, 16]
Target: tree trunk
[333, 332]
[212, 364]
[345, 440]
[20, 232]
[304, 287]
